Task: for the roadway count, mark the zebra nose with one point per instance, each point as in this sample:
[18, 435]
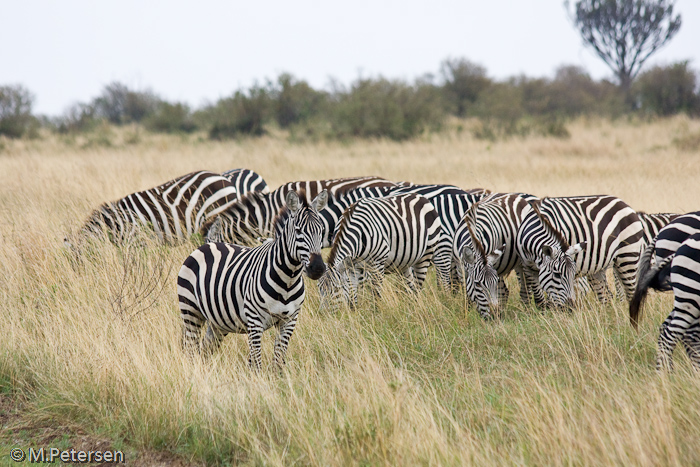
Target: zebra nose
[315, 268]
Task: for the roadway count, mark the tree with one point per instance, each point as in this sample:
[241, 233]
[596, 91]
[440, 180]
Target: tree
[624, 33]
[16, 118]
[464, 83]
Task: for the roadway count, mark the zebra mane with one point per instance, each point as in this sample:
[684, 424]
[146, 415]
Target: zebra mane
[342, 226]
[470, 217]
[535, 203]
[283, 214]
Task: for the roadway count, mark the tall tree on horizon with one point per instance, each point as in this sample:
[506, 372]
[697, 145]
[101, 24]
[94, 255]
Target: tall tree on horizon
[624, 33]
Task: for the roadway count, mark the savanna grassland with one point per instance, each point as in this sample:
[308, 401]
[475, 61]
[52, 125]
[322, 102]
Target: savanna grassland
[90, 352]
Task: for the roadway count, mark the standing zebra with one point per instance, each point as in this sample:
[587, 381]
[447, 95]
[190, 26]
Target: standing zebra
[682, 271]
[245, 180]
[485, 243]
[653, 223]
[251, 218]
[248, 290]
[583, 235]
[399, 233]
[174, 210]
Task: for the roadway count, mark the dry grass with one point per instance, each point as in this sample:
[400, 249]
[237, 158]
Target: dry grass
[95, 346]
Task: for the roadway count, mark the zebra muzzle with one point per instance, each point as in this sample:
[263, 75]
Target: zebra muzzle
[315, 268]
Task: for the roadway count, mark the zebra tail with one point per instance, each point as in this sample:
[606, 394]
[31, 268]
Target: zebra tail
[651, 277]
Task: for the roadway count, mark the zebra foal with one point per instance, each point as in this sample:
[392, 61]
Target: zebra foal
[248, 290]
[399, 233]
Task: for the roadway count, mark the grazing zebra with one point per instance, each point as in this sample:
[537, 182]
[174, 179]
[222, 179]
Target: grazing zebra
[665, 244]
[246, 180]
[251, 218]
[248, 290]
[583, 235]
[400, 233]
[451, 203]
[683, 323]
[485, 243]
[174, 210]
[653, 223]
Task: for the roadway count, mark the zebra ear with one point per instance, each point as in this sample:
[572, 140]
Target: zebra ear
[292, 201]
[579, 247]
[493, 257]
[468, 255]
[321, 201]
[547, 250]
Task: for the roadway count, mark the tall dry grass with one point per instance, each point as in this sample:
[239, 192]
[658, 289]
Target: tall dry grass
[404, 380]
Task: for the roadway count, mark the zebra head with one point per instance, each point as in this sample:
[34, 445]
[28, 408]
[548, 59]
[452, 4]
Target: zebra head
[481, 278]
[303, 232]
[557, 272]
[339, 284]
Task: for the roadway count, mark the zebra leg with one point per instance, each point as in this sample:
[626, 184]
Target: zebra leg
[442, 259]
[212, 340]
[255, 344]
[192, 322]
[410, 278]
[532, 280]
[524, 292]
[691, 339]
[285, 328]
[599, 283]
[420, 270]
[625, 269]
[503, 292]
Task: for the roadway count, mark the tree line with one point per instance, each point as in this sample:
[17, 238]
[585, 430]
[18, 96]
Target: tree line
[375, 107]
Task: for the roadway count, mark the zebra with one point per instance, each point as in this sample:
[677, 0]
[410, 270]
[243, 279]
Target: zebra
[251, 218]
[245, 180]
[248, 290]
[580, 235]
[451, 203]
[653, 223]
[174, 210]
[665, 244]
[485, 243]
[682, 271]
[400, 233]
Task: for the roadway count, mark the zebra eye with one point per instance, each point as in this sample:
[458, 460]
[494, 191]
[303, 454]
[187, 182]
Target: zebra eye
[557, 275]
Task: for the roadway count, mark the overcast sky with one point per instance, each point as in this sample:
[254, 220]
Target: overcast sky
[67, 51]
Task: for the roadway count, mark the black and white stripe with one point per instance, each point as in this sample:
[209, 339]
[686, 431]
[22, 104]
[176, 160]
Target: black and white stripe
[485, 242]
[248, 290]
[683, 323]
[174, 210]
[582, 235]
[400, 233]
[245, 181]
[251, 219]
[451, 203]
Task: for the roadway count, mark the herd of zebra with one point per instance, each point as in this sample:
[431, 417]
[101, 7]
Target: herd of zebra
[247, 277]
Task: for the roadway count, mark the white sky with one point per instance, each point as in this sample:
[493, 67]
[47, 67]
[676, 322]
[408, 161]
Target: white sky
[67, 51]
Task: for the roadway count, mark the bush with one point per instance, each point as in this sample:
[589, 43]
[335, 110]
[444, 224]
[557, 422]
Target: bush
[16, 119]
[170, 118]
[464, 82]
[668, 90]
[383, 108]
[78, 118]
[242, 114]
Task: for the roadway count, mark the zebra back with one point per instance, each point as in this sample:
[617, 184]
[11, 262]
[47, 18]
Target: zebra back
[245, 180]
[653, 223]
